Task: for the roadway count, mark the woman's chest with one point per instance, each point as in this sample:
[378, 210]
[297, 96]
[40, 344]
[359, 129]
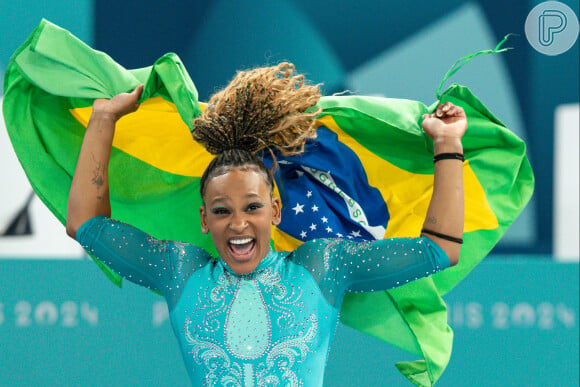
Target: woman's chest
[270, 322]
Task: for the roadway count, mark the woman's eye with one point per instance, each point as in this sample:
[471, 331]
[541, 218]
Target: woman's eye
[219, 211]
[254, 206]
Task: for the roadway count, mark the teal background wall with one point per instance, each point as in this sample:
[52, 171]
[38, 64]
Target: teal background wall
[63, 323]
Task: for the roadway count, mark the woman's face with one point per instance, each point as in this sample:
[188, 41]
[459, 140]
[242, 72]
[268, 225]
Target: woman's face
[238, 213]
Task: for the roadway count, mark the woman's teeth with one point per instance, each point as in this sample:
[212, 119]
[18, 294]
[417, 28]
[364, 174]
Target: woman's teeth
[240, 241]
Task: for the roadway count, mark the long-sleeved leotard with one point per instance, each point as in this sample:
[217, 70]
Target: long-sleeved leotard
[272, 327]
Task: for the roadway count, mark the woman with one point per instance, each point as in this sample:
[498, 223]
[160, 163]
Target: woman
[256, 316]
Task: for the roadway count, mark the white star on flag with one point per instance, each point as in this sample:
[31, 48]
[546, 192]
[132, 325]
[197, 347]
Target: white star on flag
[318, 219]
[298, 208]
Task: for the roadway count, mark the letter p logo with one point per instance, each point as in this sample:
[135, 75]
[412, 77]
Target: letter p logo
[551, 22]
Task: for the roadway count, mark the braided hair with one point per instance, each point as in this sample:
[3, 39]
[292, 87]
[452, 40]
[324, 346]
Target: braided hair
[265, 108]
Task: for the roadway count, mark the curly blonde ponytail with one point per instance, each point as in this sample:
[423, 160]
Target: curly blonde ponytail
[268, 107]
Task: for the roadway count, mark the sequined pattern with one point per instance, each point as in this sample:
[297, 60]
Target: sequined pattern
[253, 349]
[368, 266]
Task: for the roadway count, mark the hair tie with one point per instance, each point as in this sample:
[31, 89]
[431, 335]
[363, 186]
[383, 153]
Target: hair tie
[442, 236]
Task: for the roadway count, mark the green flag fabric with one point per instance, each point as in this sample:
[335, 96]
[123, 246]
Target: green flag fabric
[155, 167]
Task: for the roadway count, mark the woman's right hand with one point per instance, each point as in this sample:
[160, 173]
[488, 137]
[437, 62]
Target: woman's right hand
[119, 105]
[89, 192]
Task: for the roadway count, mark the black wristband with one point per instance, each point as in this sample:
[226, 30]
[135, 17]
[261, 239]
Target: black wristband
[442, 236]
[448, 156]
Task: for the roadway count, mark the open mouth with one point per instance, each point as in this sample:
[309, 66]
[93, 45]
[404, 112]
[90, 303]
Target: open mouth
[241, 248]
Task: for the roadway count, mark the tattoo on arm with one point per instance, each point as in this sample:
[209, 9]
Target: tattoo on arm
[98, 174]
[431, 220]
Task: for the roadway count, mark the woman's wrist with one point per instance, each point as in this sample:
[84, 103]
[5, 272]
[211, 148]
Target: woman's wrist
[102, 123]
[447, 145]
[104, 116]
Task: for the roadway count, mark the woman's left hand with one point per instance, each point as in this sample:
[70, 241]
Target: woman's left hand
[447, 122]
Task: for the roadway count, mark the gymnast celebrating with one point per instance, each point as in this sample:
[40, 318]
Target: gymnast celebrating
[255, 316]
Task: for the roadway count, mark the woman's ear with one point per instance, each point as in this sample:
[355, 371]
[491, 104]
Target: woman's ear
[203, 219]
[276, 211]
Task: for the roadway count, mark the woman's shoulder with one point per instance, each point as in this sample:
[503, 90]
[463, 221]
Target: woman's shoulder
[314, 249]
[189, 252]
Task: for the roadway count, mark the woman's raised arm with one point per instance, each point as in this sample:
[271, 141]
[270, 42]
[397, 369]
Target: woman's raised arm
[444, 221]
[89, 192]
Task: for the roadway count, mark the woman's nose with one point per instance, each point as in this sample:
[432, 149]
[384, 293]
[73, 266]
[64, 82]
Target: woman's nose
[238, 223]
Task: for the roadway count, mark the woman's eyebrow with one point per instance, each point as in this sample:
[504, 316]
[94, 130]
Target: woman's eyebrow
[226, 198]
[219, 199]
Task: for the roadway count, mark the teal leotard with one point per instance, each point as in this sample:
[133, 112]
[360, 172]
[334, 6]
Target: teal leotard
[272, 327]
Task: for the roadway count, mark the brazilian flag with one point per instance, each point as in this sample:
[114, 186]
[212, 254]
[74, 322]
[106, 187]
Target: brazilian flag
[368, 174]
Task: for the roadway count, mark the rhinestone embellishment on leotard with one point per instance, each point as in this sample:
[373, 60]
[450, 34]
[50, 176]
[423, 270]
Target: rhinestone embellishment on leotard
[247, 331]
